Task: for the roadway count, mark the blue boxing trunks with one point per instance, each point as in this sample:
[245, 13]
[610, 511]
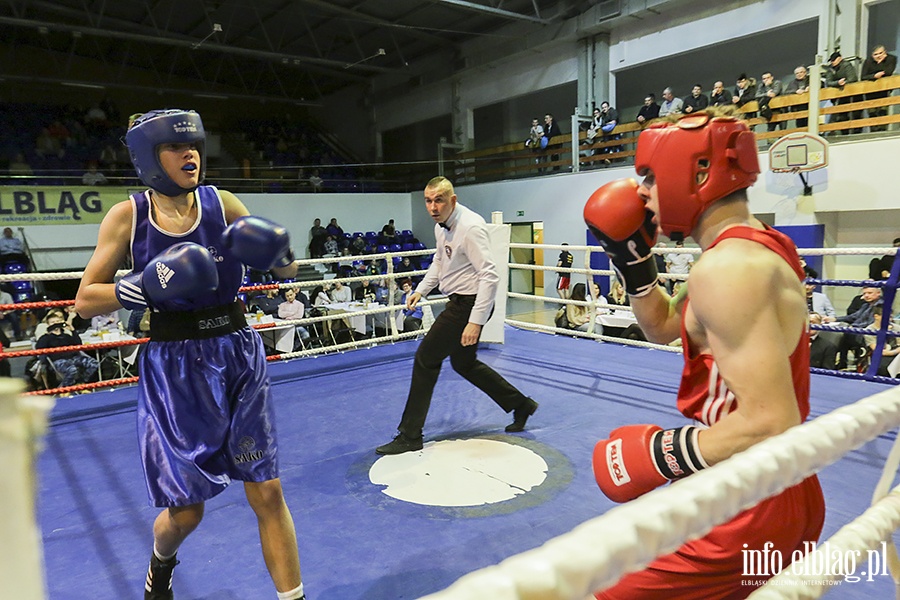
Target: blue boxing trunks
[204, 417]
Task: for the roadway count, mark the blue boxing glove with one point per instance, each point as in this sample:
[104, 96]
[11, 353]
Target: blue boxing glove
[258, 243]
[179, 279]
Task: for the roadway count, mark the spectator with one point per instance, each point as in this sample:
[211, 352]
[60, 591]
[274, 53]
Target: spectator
[366, 292]
[768, 88]
[679, 263]
[335, 231]
[5, 368]
[320, 295]
[290, 310]
[41, 328]
[536, 140]
[133, 327]
[879, 64]
[317, 235]
[383, 292]
[61, 133]
[404, 266]
[389, 233]
[340, 293]
[358, 245]
[268, 302]
[808, 270]
[412, 317]
[818, 303]
[719, 96]
[822, 352]
[799, 85]
[579, 317]
[11, 246]
[891, 344]
[609, 118]
[10, 317]
[670, 105]
[47, 145]
[861, 319]
[594, 129]
[316, 182]
[696, 101]
[662, 268]
[108, 157]
[75, 321]
[563, 277]
[93, 176]
[20, 169]
[374, 268]
[72, 367]
[108, 321]
[617, 295]
[840, 74]
[649, 111]
[880, 268]
[551, 130]
[745, 90]
[330, 246]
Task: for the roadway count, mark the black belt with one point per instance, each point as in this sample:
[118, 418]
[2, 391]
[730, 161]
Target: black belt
[200, 324]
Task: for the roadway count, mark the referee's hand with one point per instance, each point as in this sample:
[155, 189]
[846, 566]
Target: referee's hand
[470, 334]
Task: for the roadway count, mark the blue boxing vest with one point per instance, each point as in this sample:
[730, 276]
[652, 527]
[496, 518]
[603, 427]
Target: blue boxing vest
[148, 240]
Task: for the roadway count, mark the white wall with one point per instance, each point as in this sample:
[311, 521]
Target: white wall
[703, 25]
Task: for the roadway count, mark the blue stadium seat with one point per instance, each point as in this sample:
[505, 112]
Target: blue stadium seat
[407, 246]
[15, 267]
[381, 249]
[395, 248]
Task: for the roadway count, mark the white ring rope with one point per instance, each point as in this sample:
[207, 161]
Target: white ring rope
[598, 552]
[595, 336]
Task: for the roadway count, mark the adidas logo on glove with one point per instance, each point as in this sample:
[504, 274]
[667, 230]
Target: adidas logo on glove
[164, 273]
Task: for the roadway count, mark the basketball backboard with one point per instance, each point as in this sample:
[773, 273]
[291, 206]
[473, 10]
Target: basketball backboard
[798, 152]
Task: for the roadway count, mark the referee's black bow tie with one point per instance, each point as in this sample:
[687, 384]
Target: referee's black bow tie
[445, 226]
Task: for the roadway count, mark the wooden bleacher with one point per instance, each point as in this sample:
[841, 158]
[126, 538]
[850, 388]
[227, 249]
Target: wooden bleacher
[514, 160]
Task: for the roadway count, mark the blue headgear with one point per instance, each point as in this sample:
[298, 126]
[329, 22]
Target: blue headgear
[169, 126]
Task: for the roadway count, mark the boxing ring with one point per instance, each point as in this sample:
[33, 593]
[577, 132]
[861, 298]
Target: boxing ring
[571, 542]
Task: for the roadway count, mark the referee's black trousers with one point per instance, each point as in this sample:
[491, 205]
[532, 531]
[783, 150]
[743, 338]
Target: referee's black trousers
[443, 340]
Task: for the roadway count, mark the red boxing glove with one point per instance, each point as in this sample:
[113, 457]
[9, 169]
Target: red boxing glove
[617, 217]
[639, 458]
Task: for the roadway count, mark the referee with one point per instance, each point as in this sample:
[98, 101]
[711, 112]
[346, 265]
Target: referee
[462, 269]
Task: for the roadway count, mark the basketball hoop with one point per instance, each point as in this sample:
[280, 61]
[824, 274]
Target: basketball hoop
[799, 153]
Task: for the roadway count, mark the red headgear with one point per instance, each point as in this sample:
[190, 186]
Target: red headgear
[696, 160]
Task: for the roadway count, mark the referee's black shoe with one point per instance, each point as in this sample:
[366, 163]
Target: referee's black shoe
[400, 444]
[520, 416]
[159, 579]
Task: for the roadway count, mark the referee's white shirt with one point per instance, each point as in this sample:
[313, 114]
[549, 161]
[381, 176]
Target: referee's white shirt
[462, 262]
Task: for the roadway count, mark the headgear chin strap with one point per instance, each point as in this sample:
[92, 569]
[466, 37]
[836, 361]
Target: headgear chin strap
[169, 126]
[696, 161]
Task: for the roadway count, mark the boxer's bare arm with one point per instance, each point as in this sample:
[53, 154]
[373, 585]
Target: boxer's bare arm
[658, 316]
[750, 311]
[96, 294]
